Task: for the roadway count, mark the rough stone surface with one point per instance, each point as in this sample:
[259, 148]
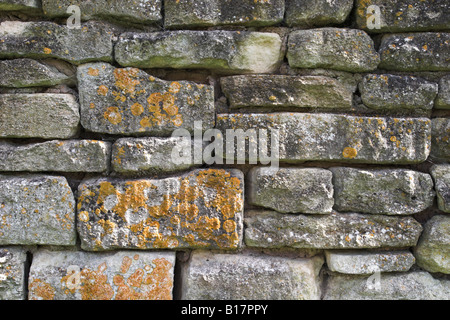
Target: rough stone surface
[332, 48]
[56, 155]
[202, 13]
[22, 5]
[415, 285]
[325, 137]
[422, 51]
[368, 262]
[286, 91]
[270, 229]
[292, 190]
[433, 250]
[36, 209]
[129, 101]
[440, 139]
[200, 209]
[383, 191]
[39, 40]
[441, 176]
[223, 51]
[317, 13]
[443, 98]
[43, 115]
[124, 275]
[251, 277]
[12, 273]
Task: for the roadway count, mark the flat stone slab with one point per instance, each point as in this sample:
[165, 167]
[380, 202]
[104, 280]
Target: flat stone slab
[383, 191]
[36, 210]
[440, 139]
[128, 101]
[56, 155]
[270, 229]
[441, 176]
[443, 98]
[124, 275]
[41, 115]
[221, 51]
[317, 13]
[200, 209]
[269, 277]
[20, 5]
[332, 48]
[12, 273]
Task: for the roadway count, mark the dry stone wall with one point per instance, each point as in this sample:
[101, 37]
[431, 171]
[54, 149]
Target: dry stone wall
[245, 149]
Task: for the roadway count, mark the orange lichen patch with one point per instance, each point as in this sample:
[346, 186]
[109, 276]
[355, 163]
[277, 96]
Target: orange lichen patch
[83, 216]
[113, 115]
[349, 153]
[137, 109]
[126, 80]
[42, 289]
[229, 225]
[102, 90]
[175, 87]
[157, 103]
[126, 264]
[393, 138]
[92, 105]
[47, 50]
[93, 72]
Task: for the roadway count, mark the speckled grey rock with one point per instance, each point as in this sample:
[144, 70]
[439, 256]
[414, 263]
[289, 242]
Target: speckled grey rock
[440, 139]
[317, 13]
[12, 273]
[443, 98]
[441, 176]
[20, 5]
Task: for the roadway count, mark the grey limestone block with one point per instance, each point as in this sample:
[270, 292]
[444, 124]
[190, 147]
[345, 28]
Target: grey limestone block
[12, 273]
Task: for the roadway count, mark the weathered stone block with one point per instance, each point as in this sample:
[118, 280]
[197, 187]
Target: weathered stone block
[43, 115]
[440, 139]
[40, 40]
[433, 250]
[317, 13]
[124, 275]
[36, 210]
[22, 5]
[195, 13]
[129, 101]
[267, 277]
[201, 209]
[286, 91]
[383, 191]
[443, 98]
[422, 51]
[12, 273]
[269, 229]
[222, 51]
[332, 48]
[292, 190]
[56, 155]
[441, 176]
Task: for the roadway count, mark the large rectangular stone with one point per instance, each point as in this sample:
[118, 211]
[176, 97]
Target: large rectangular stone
[441, 176]
[317, 13]
[12, 273]
[443, 98]
[440, 139]
[124, 275]
[20, 5]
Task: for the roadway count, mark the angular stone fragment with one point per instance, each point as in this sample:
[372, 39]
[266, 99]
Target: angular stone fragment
[368, 262]
[201, 13]
[422, 51]
[12, 273]
[128, 101]
[201, 209]
[415, 285]
[404, 15]
[123, 275]
[56, 155]
[383, 191]
[440, 139]
[443, 98]
[317, 13]
[329, 137]
[36, 210]
[137, 11]
[222, 51]
[20, 5]
[269, 277]
[332, 48]
[292, 190]
[441, 176]
[42, 115]
[285, 91]
[269, 229]
[433, 250]
[39, 40]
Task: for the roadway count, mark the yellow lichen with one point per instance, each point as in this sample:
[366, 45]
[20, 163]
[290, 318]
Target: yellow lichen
[349, 153]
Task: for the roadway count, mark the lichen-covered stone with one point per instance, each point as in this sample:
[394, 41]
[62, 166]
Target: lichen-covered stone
[421, 51]
[443, 98]
[440, 139]
[332, 48]
[285, 91]
[330, 137]
[270, 229]
[223, 51]
[202, 13]
[56, 155]
[20, 5]
[250, 276]
[382, 191]
[129, 101]
[368, 262]
[317, 13]
[292, 190]
[433, 250]
[42, 115]
[40, 40]
[414, 285]
[404, 15]
[36, 209]
[123, 275]
[441, 176]
[12, 273]
[200, 209]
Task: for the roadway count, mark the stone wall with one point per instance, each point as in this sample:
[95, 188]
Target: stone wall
[94, 205]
